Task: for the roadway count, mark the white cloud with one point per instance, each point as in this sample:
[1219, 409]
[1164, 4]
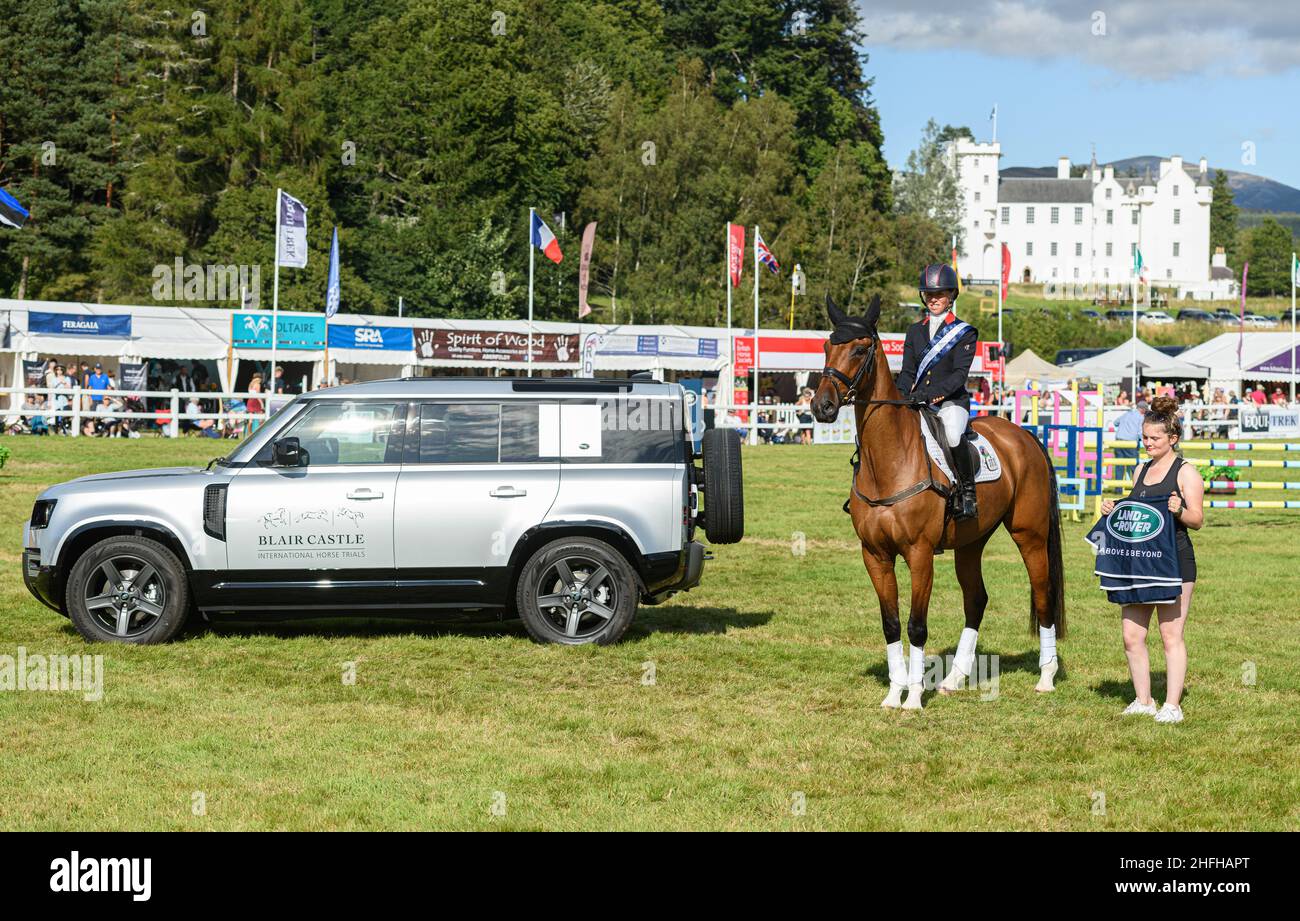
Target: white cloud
[1148, 40]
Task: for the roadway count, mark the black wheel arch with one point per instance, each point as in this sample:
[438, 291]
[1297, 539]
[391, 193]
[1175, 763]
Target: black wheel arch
[83, 537]
[542, 534]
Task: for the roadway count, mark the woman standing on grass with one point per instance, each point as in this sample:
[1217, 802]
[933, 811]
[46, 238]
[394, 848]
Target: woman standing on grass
[1165, 472]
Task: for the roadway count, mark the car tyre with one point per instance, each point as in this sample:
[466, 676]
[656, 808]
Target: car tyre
[128, 590]
[724, 501]
[576, 615]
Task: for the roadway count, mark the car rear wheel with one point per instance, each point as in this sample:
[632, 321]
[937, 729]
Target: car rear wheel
[575, 591]
[128, 590]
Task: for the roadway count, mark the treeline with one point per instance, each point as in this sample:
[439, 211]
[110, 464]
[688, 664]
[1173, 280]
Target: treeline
[425, 129]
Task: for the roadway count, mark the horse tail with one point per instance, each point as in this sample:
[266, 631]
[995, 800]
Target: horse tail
[1055, 566]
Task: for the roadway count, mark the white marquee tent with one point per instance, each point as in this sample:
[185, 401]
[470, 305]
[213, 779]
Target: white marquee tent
[1152, 363]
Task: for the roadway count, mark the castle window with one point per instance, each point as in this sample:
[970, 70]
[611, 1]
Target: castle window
[1029, 248]
[1056, 215]
[1110, 216]
[1078, 249]
[1175, 249]
[1178, 216]
[1110, 249]
[1006, 215]
[1134, 215]
[1029, 214]
[1053, 249]
[1078, 215]
[1107, 194]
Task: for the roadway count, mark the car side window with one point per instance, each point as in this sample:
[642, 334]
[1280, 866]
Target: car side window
[530, 433]
[459, 433]
[637, 431]
[336, 432]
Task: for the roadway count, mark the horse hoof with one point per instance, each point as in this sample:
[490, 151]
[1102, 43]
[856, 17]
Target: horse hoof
[1045, 682]
[913, 701]
[952, 684]
[894, 699]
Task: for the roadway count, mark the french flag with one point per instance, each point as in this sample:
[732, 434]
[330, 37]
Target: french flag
[544, 240]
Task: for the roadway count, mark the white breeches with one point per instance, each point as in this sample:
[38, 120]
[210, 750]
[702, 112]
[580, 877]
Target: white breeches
[954, 417]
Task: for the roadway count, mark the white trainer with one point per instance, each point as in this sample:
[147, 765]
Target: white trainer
[1170, 713]
[1138, 708]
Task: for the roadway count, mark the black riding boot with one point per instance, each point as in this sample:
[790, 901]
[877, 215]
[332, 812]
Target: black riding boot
[965, 480]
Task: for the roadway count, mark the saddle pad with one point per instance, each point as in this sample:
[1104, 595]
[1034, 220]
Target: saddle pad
[990, 468]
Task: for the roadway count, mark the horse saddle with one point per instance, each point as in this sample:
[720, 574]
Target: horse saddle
[986, 464]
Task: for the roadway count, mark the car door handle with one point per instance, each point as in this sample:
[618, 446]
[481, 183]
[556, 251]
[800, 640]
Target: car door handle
[365, 494]
[508, 492]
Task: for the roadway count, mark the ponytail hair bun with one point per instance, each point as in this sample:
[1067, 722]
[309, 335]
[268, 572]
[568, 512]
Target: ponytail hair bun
[1164, 412]
[1164, 406]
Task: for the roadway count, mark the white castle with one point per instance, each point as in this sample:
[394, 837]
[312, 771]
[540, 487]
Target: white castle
[1086, 230]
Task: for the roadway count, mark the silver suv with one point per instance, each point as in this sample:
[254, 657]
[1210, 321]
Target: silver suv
[564, 502]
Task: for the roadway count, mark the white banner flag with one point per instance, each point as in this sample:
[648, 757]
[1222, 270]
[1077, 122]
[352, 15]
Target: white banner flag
[292, 229]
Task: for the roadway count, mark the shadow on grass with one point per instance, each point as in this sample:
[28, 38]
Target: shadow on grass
[1123, 690]
[668, 618]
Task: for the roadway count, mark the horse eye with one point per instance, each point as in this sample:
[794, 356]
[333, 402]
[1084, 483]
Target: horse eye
[860, 350]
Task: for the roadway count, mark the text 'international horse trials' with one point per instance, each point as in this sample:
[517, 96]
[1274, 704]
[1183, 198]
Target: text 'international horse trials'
[898, 509]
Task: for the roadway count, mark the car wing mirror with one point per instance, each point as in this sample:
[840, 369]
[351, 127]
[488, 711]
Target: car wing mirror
[288, 452]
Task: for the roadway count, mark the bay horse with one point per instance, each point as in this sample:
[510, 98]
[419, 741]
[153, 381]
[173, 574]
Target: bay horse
[897, 501]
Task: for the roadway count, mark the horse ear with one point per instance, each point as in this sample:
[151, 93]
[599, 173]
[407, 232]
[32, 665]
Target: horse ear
[873, 311]
[836, 315]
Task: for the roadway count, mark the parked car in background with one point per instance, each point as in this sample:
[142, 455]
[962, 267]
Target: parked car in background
[1196, 316]
[1090, 314]
[1120, 314]
[1223, 314]
[1254, 319]
[1158, 317]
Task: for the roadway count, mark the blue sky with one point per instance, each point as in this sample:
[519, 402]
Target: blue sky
[1127, 91]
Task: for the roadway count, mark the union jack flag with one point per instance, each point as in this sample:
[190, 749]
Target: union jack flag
[764, 254]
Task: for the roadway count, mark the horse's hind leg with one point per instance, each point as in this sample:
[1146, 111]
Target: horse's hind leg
[886, 585]
[975, 599]
[1033, 550]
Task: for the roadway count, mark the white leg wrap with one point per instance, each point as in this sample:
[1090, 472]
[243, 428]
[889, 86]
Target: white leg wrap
[897, 669]
[1046, 645]
[964, 660]
[915, 665]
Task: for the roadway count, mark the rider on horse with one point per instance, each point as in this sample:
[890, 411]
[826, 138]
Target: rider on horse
[937, 356]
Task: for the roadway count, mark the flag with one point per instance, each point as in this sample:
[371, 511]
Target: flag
[584, 268]
[291, 227]
[764, 254]
[332, 288]
[736, 252]
[1295, 270]
[954, 264]
[1006, 269]
[12, 214]
[544, 240]
[1241, 329]
[1137, 261]
[994, 113]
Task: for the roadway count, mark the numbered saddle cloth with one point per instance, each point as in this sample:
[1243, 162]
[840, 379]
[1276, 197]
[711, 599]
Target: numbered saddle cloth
[987, 467]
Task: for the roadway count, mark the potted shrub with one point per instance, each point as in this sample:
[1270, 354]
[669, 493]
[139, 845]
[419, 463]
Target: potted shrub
[1231, 474]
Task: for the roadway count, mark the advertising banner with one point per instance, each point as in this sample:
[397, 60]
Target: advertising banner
[253, 331]
[77, 324]
[495, 345]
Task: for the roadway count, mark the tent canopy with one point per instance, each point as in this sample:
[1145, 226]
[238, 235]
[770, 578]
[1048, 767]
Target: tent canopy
[1257, 348]
[1029, 366]
[1152, 363]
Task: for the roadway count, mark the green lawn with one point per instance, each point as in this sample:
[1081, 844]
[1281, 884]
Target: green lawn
[767, 681]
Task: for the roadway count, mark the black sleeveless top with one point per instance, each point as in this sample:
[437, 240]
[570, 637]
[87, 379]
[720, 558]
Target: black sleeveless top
[1169, 484]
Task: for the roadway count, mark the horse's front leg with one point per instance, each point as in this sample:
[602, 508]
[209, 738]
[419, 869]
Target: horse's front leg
[920, 561]
[881, 570]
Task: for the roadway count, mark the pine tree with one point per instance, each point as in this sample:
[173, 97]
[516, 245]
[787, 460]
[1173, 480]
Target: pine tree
[1223, 218]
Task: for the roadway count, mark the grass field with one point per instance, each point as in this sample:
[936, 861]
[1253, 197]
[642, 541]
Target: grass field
[765, 694]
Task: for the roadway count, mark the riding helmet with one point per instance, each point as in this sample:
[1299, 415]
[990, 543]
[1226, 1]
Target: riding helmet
[938, 277]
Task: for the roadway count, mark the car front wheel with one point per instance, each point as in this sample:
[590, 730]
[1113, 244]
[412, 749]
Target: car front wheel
[575, 591]
[128, 590]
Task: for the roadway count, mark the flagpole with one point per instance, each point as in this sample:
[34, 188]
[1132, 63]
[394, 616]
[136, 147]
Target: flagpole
[529, 348]
[1002, 346]
[753, 396]
[275, 298]
[1134, 395]
[1295, 270]
[730, 392]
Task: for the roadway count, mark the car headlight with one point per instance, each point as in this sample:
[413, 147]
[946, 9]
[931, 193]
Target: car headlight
[41, 512]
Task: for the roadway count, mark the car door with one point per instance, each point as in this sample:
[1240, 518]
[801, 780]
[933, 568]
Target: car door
[322, 533]
[477, 475]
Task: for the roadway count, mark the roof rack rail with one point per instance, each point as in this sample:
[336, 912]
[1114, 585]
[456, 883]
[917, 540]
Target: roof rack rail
[571, 384]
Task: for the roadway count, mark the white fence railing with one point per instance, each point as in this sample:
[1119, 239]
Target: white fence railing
[80, 407]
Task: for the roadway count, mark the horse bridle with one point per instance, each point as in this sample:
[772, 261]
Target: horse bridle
[851, 394]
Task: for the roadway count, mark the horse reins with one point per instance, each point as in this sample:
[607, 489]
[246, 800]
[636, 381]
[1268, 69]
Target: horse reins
[850, 396]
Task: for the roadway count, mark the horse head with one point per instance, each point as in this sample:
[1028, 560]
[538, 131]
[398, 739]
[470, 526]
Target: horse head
[851, 359]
